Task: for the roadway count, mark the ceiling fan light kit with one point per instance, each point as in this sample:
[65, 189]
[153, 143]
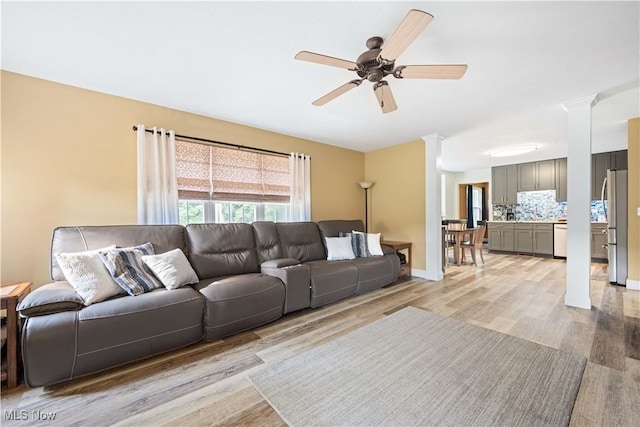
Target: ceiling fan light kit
[378, 62]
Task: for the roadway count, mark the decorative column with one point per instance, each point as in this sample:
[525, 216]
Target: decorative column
[433, 210]
[578, 292]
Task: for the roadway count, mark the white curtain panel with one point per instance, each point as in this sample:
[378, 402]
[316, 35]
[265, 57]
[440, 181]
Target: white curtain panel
[157, 182]
[300, 187]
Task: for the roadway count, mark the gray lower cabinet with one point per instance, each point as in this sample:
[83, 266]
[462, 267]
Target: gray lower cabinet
[543, 239]
[534, 238]
[598, 240]
[524, 238]
[501, 237]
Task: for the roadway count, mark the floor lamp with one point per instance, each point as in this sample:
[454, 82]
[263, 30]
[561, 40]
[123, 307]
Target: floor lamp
[366, 185]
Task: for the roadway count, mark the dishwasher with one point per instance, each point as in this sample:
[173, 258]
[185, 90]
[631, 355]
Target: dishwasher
[560, 240]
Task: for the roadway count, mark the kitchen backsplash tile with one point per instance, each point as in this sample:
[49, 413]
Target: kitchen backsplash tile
[542, 206]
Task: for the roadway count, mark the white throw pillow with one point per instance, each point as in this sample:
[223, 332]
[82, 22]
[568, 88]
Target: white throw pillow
[373, 243]
[88, 275]
[171, 268]
[339, 248]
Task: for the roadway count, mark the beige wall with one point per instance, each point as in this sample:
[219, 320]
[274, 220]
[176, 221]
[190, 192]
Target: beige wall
[69, 158]
[634, 200]
[397, 198]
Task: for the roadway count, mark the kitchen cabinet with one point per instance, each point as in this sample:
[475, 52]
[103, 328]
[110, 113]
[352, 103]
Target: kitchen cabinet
[561, 180]
[501, 237]
[543, 239]
[534, 238]
[523, 234]
[598, 240]
[618, 160]
[536, 176]
[504, 181]
[600, 162]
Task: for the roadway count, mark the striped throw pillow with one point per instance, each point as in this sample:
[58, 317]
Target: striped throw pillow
[128, 270]
[359, 244]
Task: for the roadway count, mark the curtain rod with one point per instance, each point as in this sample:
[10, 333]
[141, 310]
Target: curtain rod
[226, 144]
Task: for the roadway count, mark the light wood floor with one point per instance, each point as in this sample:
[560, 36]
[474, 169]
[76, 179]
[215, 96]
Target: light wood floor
[206, 384]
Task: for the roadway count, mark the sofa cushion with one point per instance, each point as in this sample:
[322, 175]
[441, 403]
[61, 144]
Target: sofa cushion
[333, 228]
[374, 272]
[50, 298]
[172, 268]
[301, 240]
[217, 250]
[128, 328]
[332, 281]
[78, 239]
[88, 275]
[128, 270]
[267, 241]
[238, 303]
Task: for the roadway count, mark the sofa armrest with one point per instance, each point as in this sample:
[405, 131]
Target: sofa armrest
[51, 298]
[297, 281]
[280, 263]
[386, 250]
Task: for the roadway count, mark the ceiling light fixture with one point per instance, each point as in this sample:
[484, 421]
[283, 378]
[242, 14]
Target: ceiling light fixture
[513, 151]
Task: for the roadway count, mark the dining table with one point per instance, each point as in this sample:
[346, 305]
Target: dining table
[457, 236]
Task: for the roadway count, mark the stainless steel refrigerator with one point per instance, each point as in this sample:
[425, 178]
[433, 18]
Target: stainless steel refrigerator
[614, 188]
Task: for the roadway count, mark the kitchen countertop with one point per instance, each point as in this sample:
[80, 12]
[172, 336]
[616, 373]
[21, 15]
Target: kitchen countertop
[543, 222]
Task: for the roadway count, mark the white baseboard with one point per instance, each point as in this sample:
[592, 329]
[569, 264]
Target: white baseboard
[577, 301]
[633, 284]
[429, 275]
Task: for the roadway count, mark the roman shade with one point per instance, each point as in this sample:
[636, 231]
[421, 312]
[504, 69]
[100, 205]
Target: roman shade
[207, 172]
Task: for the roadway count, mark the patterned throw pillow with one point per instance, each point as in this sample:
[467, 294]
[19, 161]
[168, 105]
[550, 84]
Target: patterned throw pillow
[128, 270]
[373, 243]
[358, 244]
[88, 275]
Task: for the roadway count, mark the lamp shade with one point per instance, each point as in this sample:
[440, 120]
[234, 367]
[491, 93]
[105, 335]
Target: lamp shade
[366, 184]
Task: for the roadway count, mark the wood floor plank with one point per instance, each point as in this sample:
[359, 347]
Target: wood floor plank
[206, 383]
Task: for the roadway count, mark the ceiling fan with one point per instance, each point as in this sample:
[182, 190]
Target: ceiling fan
[379, 62]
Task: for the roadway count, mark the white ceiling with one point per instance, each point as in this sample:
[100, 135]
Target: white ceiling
[234, 61]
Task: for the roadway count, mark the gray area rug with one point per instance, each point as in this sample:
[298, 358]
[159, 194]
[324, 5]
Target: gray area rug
[419, 368]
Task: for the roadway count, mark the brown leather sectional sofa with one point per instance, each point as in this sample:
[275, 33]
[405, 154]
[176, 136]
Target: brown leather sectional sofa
[250, 275]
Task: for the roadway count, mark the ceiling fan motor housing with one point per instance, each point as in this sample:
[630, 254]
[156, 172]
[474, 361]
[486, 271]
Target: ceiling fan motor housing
[369, 65]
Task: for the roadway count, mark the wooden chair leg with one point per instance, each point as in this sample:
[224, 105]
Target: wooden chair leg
[481, 256]
[473, 255]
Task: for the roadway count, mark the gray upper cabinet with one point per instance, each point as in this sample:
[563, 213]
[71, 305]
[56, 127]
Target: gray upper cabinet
[504, 181]
[561, 180]
[546, 175]
[619, 160]
[537, 176]
[600, 162]
[527, 176]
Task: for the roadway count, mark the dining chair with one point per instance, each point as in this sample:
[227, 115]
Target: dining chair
[475, 243]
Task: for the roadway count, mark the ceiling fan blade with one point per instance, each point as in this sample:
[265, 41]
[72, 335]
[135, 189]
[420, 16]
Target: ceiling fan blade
[386, 101]
[410, 27]
[325, 60]
[337, 92]
[430, 71]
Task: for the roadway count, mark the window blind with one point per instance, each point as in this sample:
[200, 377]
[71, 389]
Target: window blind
[207, 172]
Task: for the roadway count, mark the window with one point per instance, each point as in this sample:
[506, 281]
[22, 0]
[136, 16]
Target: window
[223, 185]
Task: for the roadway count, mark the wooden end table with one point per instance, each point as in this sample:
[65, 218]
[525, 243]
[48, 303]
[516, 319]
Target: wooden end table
[405, 269]
[11, 295]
